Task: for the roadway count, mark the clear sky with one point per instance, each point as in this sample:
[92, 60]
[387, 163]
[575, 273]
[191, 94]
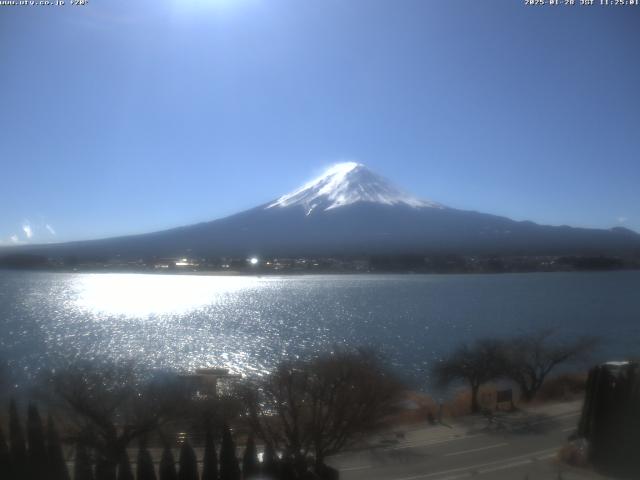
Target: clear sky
[129, 116]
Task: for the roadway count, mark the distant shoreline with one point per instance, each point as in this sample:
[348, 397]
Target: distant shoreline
[236, 273]
[268, 265]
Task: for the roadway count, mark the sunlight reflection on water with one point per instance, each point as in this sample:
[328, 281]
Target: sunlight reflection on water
[139, 296]
[176, 321]
[249, 324]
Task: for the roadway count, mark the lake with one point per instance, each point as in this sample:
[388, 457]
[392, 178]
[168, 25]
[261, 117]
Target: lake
[249, 323]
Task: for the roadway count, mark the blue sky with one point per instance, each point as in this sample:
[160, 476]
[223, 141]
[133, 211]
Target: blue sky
[123, 117]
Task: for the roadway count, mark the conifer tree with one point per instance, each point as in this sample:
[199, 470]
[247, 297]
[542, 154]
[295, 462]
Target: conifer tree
[55, 458]
[250, 465]
[82, 467]
[229, 468]
[17, 445]
[188, 463]
[105, 469]
[37, 452]
[168, 465]
[124, 467]
[144, 469]
[270, 464]
[5, 457]
[287, 470]
[210, 466]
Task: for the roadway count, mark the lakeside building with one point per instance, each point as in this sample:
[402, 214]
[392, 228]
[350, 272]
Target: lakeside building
[208, 382]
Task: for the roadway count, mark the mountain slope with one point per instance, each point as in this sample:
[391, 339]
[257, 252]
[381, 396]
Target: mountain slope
[351, 210]
[345, 184]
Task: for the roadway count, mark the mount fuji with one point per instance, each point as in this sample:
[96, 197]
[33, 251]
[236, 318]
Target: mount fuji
[345, 184]
[350, 210]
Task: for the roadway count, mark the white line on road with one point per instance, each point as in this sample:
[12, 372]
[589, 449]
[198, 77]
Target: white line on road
[413, 444]
[465, 437]
[432, 442]
[453, 454]
[507, 466]
[360, 467]
[478, 466]
[456, 438]
[556, 418]
[547, 456]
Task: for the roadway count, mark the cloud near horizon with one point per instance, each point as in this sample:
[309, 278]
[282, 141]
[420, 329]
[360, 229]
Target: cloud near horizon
[28, 232]
[26, 228]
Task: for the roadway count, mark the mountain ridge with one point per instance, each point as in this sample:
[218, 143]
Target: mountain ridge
[350, 210]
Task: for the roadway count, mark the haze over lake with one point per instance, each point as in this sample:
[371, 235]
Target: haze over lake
[249, 323]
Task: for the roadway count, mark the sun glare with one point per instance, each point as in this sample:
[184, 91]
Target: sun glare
[217, 6]
[134, 295]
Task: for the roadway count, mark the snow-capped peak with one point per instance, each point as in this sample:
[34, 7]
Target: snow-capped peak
[344, 184]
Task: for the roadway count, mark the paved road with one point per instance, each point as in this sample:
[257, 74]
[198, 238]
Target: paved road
[515, 446]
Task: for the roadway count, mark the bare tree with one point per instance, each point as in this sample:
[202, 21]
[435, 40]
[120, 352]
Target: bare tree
[5, 457]
[476, 364]
[531, 357]
[313, 409]
[110, 405]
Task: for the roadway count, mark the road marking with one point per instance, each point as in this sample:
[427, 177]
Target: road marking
[456, 477]
[556, 418]
[500, 467]
[464, 437]
[570, 429]
[410, 445]
[471, 468]
[432, 442]
[351, 469]
[476, 449]
[518, 463]
[453, 439]
[506, 466]
[548, 456]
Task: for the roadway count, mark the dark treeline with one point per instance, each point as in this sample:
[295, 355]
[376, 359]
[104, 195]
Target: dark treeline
[34, 456]
[120, 425]
[381, 263]
[39, 455]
